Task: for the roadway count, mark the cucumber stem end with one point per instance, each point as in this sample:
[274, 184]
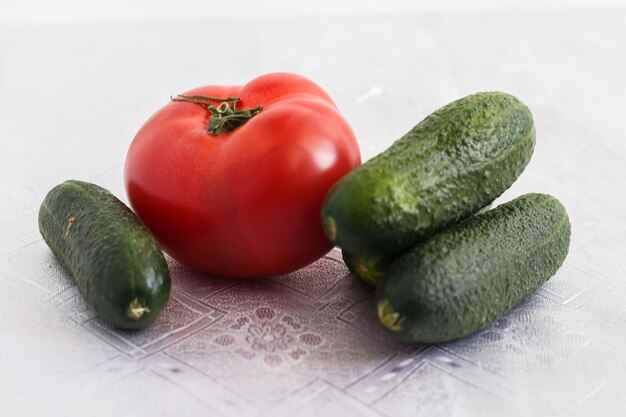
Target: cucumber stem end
[137, 309]
[388, 317]
[330, 228]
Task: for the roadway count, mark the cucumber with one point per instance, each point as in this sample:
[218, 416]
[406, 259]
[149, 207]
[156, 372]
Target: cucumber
[371, 268]
[449, 166]
[467, 276]
[114, 260]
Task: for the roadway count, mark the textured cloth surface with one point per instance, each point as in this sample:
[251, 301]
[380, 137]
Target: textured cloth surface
[309, 343]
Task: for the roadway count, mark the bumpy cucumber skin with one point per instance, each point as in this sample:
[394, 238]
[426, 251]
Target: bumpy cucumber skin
[111, 255]
[372, 268]
[467, 276]
[449, 166]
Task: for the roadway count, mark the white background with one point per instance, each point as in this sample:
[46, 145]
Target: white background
[45, 10]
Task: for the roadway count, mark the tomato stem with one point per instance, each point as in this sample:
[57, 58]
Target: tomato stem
[225, 117]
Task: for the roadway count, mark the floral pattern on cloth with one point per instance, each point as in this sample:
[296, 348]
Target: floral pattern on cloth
[269, 336]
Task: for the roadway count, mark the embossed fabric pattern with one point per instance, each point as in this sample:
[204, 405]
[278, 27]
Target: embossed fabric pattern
[309, 343]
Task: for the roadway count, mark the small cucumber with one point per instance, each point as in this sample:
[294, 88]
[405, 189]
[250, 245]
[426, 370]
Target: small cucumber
[371, 268]
[467, 276]
[114, 260]
[449, 166]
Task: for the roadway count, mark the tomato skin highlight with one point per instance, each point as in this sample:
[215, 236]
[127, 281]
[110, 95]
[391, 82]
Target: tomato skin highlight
[244, 203]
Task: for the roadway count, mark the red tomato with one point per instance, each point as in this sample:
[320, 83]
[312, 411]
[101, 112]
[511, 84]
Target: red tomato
[243, 200]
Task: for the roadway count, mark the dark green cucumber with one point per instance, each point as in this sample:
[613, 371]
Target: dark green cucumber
[449, 166]
[467, 276]
[369, 268]
[114, 260]
[372, 268]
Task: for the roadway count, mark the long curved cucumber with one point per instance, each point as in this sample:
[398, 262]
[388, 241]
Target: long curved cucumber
[449, 166]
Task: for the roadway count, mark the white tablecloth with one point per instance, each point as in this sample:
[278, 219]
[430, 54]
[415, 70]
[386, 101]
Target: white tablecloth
[72, 97]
